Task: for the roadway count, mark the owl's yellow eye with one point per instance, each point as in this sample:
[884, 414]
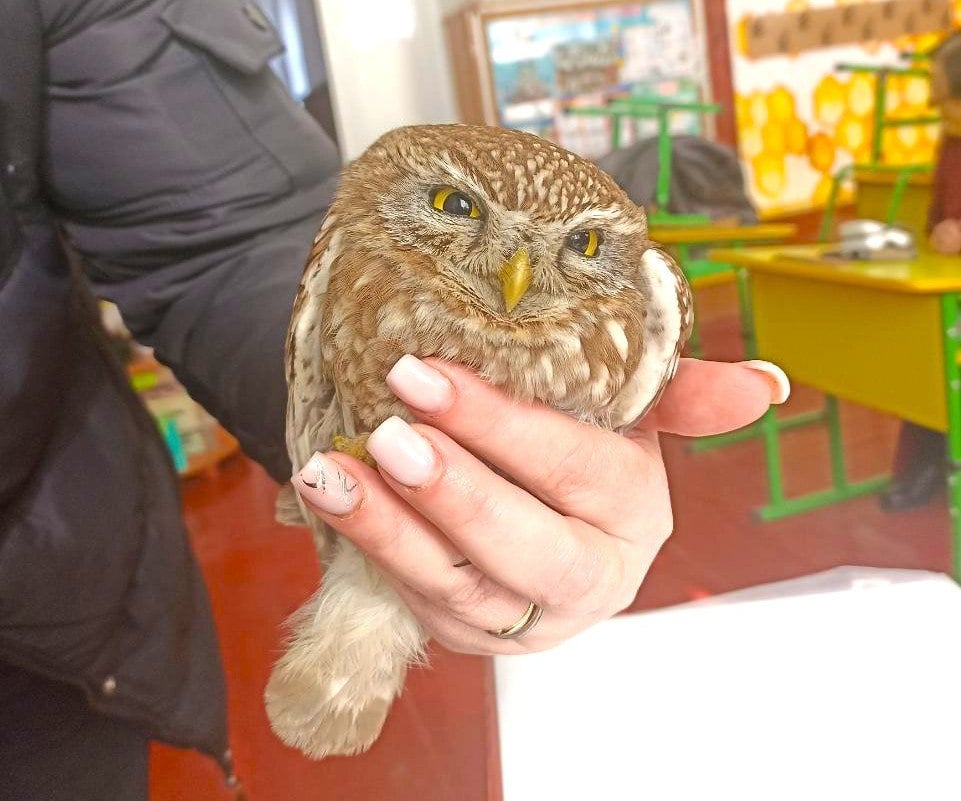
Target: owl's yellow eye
[451, 201]
[586, 243]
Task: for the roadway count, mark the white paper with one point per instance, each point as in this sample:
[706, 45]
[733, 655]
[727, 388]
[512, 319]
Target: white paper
[842, 685]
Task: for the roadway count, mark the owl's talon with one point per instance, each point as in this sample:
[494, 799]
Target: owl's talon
[354, 446]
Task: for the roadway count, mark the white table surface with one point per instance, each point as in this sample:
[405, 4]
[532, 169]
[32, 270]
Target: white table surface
[842, 685]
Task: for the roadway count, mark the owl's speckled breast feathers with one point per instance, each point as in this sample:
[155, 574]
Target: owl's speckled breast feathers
[595, 333]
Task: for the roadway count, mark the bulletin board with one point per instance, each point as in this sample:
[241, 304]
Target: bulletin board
[545, 61]
[799, 120]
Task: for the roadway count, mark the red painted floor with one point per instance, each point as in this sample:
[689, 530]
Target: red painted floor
[439, 743]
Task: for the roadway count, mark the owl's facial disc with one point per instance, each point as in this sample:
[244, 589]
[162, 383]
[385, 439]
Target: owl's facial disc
[510, 264]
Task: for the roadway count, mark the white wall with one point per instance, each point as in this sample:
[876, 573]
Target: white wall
[387, 62]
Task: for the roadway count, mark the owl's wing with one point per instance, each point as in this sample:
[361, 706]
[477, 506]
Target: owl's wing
[314, 413]
[670, 317]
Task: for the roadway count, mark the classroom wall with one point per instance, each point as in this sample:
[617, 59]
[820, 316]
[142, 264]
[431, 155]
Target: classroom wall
[388, 67]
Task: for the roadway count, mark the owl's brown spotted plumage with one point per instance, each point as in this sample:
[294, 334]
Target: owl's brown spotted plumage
[484, 246]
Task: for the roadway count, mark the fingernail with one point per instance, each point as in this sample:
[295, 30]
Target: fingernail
[780, 385]
[420, 386]
[327, 485]
[402, 452]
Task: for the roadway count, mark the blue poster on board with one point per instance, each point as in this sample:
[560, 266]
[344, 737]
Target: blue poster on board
[547, 61]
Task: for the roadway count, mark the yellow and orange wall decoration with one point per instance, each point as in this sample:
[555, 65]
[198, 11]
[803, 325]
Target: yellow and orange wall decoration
[800, 120]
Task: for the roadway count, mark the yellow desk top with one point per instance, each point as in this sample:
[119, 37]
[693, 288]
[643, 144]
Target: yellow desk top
[929, 274]
[886, 178]
[710, 234]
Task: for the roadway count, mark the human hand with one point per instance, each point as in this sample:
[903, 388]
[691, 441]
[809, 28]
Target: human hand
[576, 533]
[946, 237]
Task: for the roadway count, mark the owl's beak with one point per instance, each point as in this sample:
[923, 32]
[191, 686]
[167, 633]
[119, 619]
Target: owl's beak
[515, 278]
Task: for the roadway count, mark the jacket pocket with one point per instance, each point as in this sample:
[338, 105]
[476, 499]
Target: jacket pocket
[236, 33]
[237, 42]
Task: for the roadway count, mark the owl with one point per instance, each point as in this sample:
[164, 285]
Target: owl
[484, 246]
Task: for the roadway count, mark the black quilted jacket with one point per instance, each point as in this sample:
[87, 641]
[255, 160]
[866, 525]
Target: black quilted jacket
[149, 139]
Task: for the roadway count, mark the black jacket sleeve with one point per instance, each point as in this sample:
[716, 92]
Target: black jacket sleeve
[32, 303]
[89, 506]
[11, 238]
[191, 185]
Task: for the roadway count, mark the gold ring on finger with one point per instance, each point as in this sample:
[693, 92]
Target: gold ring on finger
[524, 624]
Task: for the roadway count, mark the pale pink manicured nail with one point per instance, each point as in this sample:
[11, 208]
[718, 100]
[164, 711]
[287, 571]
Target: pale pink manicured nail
[780, 385]
[326, 485]
[420, 386]
[402, 452]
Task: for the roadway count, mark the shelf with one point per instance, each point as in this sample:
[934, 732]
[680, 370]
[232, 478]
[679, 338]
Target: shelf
[206, 463]
[145, 374]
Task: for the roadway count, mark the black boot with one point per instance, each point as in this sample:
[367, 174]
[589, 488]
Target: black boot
[920, 469]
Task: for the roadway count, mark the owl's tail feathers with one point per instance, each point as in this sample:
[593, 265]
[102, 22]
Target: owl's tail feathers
[330, 692]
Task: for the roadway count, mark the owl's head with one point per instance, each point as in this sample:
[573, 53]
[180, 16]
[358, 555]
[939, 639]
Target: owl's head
[512, 226]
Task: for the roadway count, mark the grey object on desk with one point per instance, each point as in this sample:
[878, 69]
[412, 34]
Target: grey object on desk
[870, 240]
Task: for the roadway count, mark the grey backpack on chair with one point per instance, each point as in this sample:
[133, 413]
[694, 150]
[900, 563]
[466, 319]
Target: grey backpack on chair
[706, 178]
